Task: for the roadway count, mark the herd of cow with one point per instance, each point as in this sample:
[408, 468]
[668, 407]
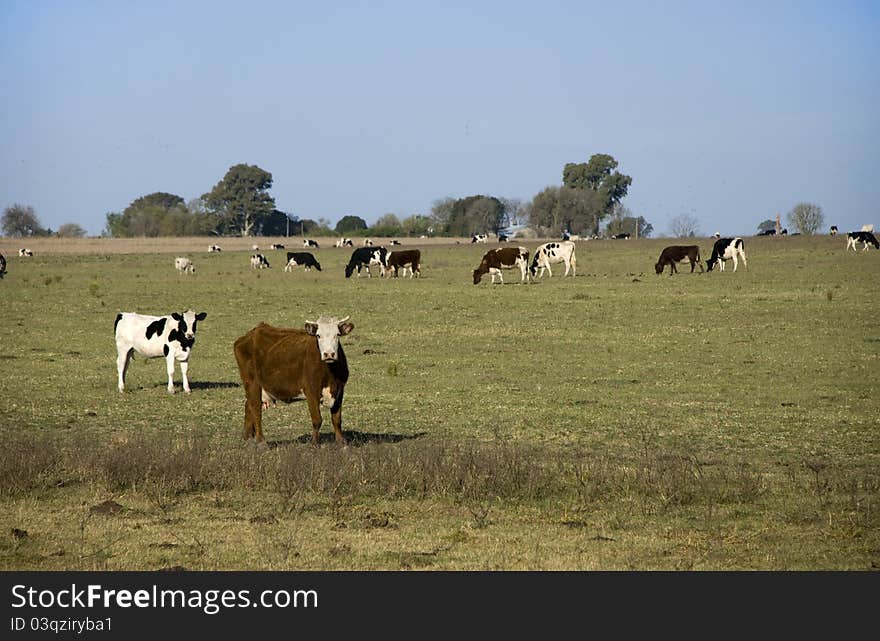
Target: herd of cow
[284, 364]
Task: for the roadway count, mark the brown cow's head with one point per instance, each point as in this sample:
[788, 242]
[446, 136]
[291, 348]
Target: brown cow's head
[328, 330]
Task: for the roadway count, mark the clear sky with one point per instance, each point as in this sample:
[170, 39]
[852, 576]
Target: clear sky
[729, 111]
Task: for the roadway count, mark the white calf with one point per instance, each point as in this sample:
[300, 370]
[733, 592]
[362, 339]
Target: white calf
[171, 336]
[184, 265]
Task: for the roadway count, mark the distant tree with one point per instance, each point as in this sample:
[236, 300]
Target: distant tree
[623, 221]
[241, 199]
[684, 226]
[807, 218]
[350, 223]
[20, 221]
[514, 211]
[600, 176]
[386, 225]
[474, 215]
[767, 224]
[71, 230]
[555, 210]
[415, 225]
[441, 210]
[276, 224]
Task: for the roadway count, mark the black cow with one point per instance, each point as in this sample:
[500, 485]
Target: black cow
[305, 259]
[363, 257]
[678, 254]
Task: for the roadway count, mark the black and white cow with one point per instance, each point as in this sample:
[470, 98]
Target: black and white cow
[258, 261]
[2, 265]
[368, 242]
[726, 249]
[308, 242]
[502, 238]
[834, 230]
[344, 242]
[480, 238]
[865, 237]
[305, 259]
[363, 257]
[214, 248]
[623, 236]
[184, 265]
[24, 251]
[171, 336]
[276, 246]
[767, 232]
[555, 252]
[394, 242]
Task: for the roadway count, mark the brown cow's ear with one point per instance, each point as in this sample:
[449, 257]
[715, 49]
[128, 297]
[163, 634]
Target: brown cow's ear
[311, 328]
[345, 328]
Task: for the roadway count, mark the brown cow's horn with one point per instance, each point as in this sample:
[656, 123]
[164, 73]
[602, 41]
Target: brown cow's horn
[342, 320]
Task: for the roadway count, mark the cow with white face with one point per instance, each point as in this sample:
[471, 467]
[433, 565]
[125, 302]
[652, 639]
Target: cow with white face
[171, 336]
[258, 261]
[556, 252]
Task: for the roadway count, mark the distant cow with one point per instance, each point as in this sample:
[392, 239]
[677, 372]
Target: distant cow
[171, 336]
[344, 242]
[569, 236]
[214, 248]
[623, 236]
[2, 265]
[834, 230]
[305, 259]
[678, 254]
[364, 257]
[24, 251]
[282, 364]
[255, 248]
[865, 237]
[502, 238]
[767, 232]
[556, 252]
[727, 249]
[258, 261]
[495, 260]
[868, 228]
[184, 265]
[393, 242]
[411, 257]
[276, 246]
[480, 238]
[308, 242]
[368, 242]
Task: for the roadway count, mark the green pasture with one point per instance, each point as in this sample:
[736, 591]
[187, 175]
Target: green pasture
[614, 420]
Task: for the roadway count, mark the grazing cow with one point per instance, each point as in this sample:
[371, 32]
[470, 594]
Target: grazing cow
[767, 232]
[784, 232]
[834, 230]
[344, 242]
[24, 251]
[184, 265]
[411, 257]
[368, 242]
[363, 257]
[556, 252]
[716, 235]
[727, 249]
[255, 248]
[281, 364]
[502, 238]
[2, 265]
[308, 242]
[480, 238]
[868, 228]
[865, 237]
[276, 246]
[305, 259]
[393, 242]
[678, 254]
[623, 236]
[171, 336]
[258, 261]
[214, 248]
[495, 260]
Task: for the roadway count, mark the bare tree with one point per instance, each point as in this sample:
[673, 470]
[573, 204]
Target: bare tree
[71, 230]
[20, 221]
[807, 218]
[684, 225]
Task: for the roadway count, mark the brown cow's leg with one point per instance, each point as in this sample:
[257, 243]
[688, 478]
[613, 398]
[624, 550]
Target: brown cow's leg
[315, 412]
[253, 412]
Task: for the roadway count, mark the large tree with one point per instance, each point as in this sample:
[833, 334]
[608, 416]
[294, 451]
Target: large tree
[160, 214]
[20, 221]
[350, 223]
[807, 218]
[555, 210]
[241, 199]
[600, 176]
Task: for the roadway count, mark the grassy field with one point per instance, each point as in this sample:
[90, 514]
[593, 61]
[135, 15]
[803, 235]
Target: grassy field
[615, 420]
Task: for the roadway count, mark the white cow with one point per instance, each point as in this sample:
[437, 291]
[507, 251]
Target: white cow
[344, 242]
[184, 265]
[868, 228]
[368, 242]
[258, 261]
[171, 336]
[555, 252]
[214, 248]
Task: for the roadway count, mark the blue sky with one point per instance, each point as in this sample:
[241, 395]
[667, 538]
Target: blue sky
[728, 111]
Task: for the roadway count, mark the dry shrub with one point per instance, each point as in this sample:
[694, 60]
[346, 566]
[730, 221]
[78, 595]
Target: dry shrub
[28, 463]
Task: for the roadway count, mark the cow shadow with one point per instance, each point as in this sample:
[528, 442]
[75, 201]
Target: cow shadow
[194, 385]
[353, 437]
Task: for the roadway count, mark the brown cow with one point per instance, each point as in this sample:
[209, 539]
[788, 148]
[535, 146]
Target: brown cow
[495, 260]
[278, 363]
[410, 257]
[678, 254]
